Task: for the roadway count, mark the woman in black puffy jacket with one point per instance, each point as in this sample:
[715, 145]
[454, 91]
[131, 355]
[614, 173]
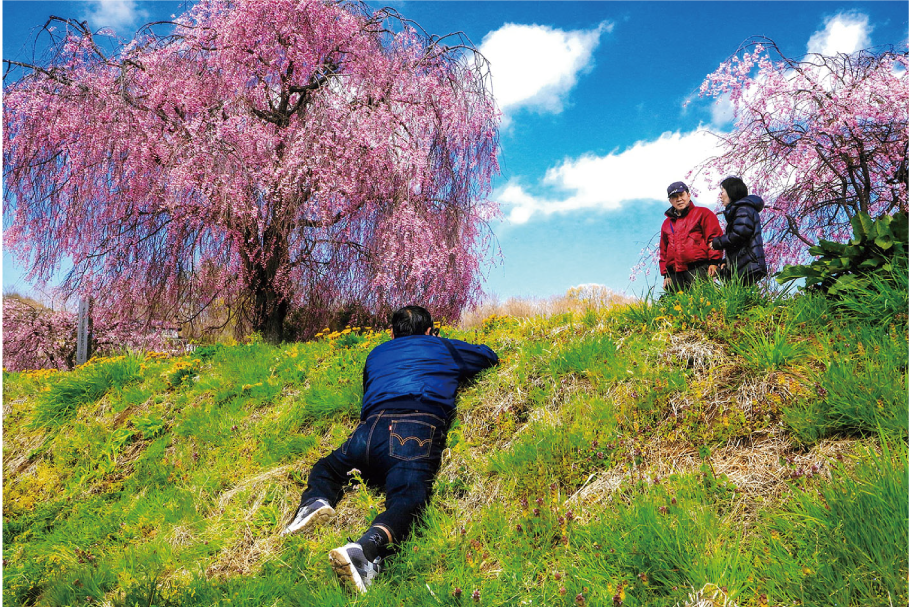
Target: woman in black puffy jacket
[742, 241]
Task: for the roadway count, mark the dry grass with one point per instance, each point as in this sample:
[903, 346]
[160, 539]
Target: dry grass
[577, 300]
[695, 352]
[259, 484]
[246, 555]
[759, 471]
[708, 596]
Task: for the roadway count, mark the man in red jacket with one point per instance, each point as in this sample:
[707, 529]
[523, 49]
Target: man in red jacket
[685, 252]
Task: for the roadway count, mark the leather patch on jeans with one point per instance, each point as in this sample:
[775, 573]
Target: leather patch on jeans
[410, 439]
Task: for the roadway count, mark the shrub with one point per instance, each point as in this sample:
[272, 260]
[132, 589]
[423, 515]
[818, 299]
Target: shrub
[876, 245]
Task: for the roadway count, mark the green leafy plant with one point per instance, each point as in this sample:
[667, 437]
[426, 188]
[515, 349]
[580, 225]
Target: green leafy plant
[875, 245]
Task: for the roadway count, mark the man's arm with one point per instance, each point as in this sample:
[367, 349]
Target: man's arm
[712, 231]
[471, 358]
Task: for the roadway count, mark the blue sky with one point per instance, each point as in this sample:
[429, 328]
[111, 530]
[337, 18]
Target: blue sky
[600, 110]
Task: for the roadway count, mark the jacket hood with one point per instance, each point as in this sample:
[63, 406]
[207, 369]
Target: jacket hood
[752, 200]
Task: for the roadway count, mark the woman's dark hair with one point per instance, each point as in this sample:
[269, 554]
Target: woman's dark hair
[735, 188]
[411, 320]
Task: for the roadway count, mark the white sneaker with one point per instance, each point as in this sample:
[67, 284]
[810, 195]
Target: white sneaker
[317, 512]
[352, 567]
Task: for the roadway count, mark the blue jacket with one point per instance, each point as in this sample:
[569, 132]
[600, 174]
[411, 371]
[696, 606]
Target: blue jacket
[742, 240]
[420, 372]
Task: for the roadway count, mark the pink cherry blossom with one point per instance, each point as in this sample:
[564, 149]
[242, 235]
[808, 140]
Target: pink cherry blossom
[36, 337]
[820, 139]
[264, 157]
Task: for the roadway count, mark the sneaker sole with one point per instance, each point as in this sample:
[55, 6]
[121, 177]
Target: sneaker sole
[344, 569]
[319, 517]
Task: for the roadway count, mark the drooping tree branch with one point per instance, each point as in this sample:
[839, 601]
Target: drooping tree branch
[267, 155]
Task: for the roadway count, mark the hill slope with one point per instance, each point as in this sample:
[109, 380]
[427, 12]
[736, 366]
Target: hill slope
[717, 445]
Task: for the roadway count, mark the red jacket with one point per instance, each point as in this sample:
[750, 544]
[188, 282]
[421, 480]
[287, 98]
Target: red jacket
[684, 238]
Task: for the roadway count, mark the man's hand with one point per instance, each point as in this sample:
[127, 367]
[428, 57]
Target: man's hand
[712, 271]
[666, 281]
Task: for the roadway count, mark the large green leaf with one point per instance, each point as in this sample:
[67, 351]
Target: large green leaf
[840, 266]
[883, 226]
[829, 247]
[899, 227]
[867, 226]
[885, 242]
[810, 273]
[845, 282]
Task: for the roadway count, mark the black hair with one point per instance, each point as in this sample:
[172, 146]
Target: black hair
[735, 188]
[411, 320]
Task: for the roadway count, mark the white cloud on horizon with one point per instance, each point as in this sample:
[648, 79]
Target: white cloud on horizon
[609, 182]
[844, 33]
[535, 66]
[123, 16]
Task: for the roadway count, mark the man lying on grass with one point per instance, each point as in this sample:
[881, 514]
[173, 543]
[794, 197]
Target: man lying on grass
[409, 386]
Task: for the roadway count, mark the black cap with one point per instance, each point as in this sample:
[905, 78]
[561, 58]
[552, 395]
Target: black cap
[676, 187]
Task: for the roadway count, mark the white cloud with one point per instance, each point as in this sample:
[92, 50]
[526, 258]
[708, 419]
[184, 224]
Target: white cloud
[722, 111]
[535, 66]
[843, 33]
[591, 182]
[123, 16]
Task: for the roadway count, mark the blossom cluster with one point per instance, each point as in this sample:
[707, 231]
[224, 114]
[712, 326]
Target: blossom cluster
[35, 337]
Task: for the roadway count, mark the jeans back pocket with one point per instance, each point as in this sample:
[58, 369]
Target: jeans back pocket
[410, 439]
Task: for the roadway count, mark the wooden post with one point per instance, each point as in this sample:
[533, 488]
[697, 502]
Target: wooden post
[84, 331]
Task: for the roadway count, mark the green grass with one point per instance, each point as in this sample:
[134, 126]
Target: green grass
[84, 386]
[619, 454]
[770, 347]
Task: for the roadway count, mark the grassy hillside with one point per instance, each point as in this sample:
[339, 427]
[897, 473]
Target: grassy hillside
[717, 446]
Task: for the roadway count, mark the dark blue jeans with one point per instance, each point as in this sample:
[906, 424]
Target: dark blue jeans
[395, 449]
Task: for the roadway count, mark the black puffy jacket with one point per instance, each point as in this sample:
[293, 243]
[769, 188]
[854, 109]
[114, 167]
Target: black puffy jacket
[742, 239]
